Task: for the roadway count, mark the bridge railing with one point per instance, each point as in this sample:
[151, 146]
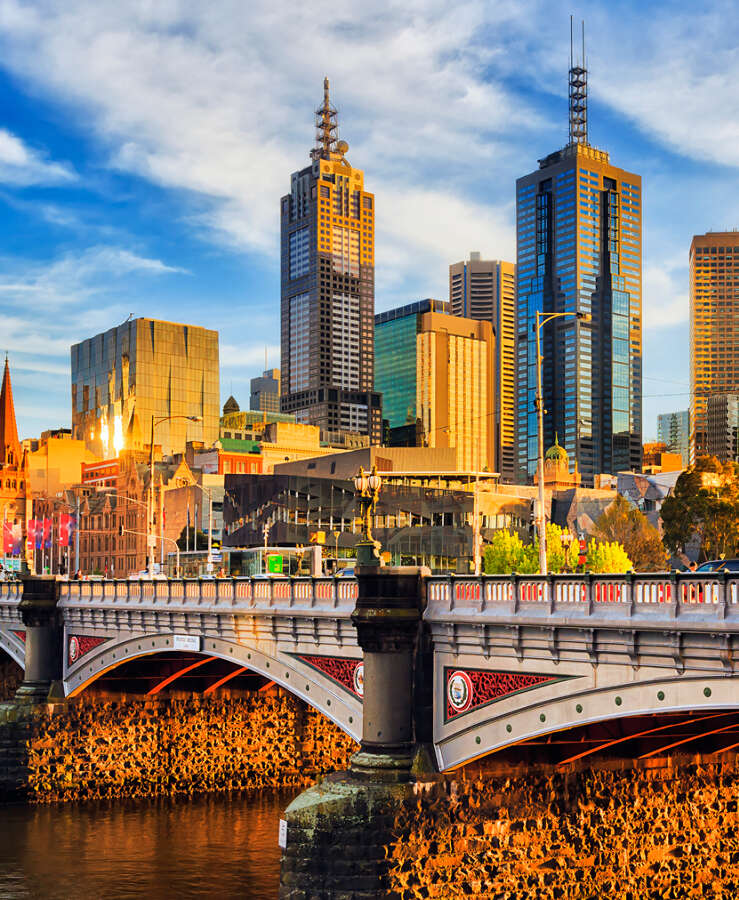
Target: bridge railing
[274, 594]
[11, 591]
[538, 594]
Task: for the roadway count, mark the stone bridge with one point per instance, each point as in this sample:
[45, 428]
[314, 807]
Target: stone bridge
[507, 660]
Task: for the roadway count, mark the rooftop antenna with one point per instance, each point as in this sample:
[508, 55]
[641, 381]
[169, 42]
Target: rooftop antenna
[327, 127]
[578, 93]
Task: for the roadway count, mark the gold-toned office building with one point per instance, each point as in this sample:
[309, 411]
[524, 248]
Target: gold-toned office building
[485, 289]
[437, 372]
[714, 327]
[146, 370]
[328, 290]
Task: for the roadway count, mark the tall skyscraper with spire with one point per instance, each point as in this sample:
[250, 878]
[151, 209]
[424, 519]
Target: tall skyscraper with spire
[328, 290]
[579, 251]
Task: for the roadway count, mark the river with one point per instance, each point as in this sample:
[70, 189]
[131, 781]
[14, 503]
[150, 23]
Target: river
[207, 846]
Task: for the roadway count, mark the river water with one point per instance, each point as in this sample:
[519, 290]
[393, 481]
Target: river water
[208, 846]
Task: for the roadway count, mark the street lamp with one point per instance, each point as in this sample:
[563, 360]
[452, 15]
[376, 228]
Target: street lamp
[151, 539]
[209, 494]
[541, 321]
[367, 488]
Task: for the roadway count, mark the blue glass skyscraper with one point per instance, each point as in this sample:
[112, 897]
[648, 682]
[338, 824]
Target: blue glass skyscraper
[579, 250]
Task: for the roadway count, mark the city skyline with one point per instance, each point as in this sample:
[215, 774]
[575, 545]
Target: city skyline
[126, 215]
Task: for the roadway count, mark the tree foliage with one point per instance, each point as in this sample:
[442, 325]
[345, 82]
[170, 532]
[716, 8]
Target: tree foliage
[607, 556]
[507, 553]
[197, 539]
[704, 504]
[625, 525]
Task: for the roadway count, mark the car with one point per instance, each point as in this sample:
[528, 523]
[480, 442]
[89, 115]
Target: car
[718, 565]
[346, 572]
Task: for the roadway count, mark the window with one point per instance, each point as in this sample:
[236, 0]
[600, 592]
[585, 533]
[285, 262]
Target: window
[299, 253]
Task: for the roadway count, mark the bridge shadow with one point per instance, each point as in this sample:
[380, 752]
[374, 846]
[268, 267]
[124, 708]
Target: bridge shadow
[11, 675]
[639, 737]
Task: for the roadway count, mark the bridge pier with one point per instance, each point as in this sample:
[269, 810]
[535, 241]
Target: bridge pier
[337, 830]
[44, 638]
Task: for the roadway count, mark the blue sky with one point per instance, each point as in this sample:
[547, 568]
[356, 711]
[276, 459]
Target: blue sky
[144, 147]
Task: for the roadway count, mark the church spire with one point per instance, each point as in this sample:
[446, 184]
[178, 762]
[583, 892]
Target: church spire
[327, 127]
[10, 448]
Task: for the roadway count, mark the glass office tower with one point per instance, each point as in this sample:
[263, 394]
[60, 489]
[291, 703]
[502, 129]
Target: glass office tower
[579, 250]
[328, 291]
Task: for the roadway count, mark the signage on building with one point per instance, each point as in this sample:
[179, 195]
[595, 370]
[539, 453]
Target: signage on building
[274, 564]
[318, 537]
[187, 642]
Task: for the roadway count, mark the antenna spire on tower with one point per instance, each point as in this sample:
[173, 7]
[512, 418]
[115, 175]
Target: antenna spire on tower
[578, 93]
[327, 127]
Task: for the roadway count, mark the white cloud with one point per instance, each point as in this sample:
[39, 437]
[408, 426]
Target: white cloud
[665, 291]
[21, 166]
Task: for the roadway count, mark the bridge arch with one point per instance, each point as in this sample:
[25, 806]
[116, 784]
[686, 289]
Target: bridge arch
[289, 671]
[688, 696]
[12, 643]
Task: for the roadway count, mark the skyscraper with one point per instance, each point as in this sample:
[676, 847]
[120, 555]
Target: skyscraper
[579, 251]
[140, 371]
[265, 391]
[328, 290]
[439, 370]
[714, 326]
[673, 429]
[722, 432]
[486, 289]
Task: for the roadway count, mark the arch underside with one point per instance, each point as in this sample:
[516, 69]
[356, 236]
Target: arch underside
[586, 715]
[12, 643]
[283, 668]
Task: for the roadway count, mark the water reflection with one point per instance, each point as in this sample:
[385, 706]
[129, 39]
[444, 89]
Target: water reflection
[211, 846]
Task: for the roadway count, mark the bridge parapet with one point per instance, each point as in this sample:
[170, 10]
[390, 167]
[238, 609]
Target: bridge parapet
[710, 596]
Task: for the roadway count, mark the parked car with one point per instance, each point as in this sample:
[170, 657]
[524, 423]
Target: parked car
[346, 572]
[718, 565]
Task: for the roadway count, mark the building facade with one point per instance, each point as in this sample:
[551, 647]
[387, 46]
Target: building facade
[265, 391]
[142, 371]
[439, 372]
[486, 289]
[722, 427]
[579, 251]
[15, 491]
[714, 327]
[673, 429]
[328, 290]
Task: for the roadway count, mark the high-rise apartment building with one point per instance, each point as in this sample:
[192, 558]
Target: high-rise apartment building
[438, 371]
[714, 327]
[579, 252]
[673, 430]
[722, 427]
[328, 293]
[486, 289]
[146, 370]
[265, 391]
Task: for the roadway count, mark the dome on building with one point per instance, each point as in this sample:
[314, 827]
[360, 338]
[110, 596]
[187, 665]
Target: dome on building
[231, 406]
[557, 453]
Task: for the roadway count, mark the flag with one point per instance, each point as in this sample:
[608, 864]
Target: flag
[64, 529]
[38, 536]
[31, 533]
[17, 532]
[47, 534]
[7, 538]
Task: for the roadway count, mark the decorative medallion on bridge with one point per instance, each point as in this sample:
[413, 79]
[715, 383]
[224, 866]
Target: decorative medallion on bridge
[468, 689]
[80, 644]
[21, 635]
[349, 673]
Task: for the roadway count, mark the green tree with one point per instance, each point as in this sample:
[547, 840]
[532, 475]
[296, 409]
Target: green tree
[197, 539]
[607, 556]
[507, 553]
[704, 504]
[627, 526]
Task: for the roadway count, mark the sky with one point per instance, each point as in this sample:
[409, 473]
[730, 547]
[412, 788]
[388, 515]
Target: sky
[144, 146]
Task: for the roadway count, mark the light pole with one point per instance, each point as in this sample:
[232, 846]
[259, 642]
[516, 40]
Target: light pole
[209, 494]
[265, 532]
[367, 493]
[151, 538]
[541, 321]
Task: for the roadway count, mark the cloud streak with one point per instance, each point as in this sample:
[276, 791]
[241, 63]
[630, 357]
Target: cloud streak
[21, 166]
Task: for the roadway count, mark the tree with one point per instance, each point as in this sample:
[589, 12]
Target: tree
[704, 504]
[197, 539]
[506, 553]
[627, 526]
[607, 556]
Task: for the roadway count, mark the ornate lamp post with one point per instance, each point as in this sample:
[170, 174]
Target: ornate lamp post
[367, 489]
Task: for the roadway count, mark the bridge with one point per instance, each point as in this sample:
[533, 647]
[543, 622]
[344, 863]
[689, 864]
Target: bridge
[510, 660]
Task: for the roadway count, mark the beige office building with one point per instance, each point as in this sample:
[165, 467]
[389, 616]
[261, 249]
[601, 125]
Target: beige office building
[714, 327]
[485, 289]
[141, 372]
[455, 388]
